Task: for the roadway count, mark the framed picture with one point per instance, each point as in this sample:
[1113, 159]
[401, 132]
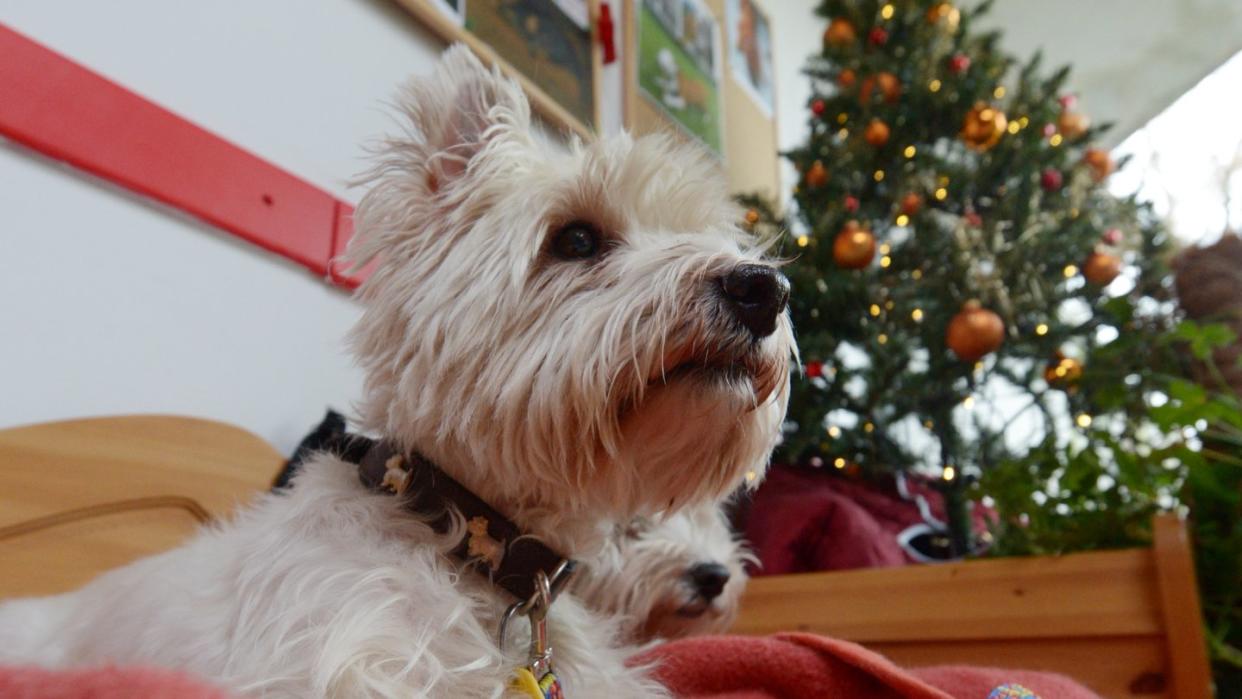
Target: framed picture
[750, 51]
[547, 45]
[678, 69]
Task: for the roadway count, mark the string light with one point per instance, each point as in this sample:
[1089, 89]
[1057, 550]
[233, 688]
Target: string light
[934, 86]
[885, 248]
[1013, 127]
[969, 402]
[886, 261]
[1024, 121]
[888, 305]
[917, 315]
[1083, 420]
[949, 473]
[999, 92]
[887, 11]
[916, 274]
[903, 220]
[834, 431]
[869, 428]
[879, 175]
[910, 151]
[1055, 140]
[941, 194]
[875, 309]
[803, 241]
[929, 424]
[843, 134]
[842, 118]
[882, 339]
[751, 475]
[1041, 329]
[839, 462]
[1070, 270]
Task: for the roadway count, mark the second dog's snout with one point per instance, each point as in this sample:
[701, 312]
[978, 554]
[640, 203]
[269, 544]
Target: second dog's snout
[757, 294]
[709, 579]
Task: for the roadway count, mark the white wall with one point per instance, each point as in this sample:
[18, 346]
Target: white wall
[111, 305]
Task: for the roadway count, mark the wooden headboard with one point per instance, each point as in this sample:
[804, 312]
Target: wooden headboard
[1125, 623]
[79, 497]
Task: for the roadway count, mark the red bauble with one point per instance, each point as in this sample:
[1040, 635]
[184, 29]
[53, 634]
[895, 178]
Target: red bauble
[1050, 130]
[814, 369]
[1051, 180]
[817, 107]
[974, 332]
[911, 203]
[959, 63]
[1112, 236]
[850, 203]
[878, 36]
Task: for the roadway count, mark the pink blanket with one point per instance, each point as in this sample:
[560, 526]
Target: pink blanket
[784, 666]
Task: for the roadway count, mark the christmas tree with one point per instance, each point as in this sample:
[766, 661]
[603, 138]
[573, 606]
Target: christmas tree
[967, 294]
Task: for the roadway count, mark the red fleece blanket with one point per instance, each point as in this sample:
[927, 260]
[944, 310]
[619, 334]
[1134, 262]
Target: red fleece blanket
[784, 666]
[806, 666]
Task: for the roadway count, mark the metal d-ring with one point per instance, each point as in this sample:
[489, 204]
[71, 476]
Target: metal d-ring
[536, 606]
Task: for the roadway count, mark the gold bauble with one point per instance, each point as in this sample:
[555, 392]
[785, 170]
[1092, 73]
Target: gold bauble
[983, 127]
[854, 246]
[876, 133]
[974, 332]
[1101, 268]
[887, 83]
[846, 78]
[816, 175]
[1099, 162]
[1062, 371]
[840, 32]
[945, 16]
[1072, 124]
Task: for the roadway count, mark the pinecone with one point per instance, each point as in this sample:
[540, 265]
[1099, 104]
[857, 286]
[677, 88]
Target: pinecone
[1209, 288]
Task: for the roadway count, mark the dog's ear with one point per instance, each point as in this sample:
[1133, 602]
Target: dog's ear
[464, 112]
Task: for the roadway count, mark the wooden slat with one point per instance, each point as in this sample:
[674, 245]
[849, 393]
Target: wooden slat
[1183, 618]
[1110, 593]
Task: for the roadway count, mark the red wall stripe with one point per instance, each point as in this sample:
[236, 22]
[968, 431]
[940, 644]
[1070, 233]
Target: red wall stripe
[70, 113]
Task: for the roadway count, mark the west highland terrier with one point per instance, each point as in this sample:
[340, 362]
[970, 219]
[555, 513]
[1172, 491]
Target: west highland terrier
[682, 575]
[552, 340]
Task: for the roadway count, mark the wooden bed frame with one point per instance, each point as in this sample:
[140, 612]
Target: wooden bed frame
[1125, 623]
[82, 496]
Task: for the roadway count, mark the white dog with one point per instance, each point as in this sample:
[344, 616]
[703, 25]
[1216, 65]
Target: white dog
[678, 576]
[574, 337]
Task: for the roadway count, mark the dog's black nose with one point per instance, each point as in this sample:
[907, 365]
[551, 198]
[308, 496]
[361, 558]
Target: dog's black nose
[757, 295]
[709, 579]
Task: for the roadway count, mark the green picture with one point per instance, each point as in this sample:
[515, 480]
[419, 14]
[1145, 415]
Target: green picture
[678, 65]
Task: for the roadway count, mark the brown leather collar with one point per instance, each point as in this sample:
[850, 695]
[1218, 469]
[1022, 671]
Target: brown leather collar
[493, 545]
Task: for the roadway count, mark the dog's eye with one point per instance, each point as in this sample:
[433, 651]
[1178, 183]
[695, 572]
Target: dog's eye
[576, 241]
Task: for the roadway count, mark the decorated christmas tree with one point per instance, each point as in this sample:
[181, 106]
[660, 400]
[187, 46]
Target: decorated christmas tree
[967, 294]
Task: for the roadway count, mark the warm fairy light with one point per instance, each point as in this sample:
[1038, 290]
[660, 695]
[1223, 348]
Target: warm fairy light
[928, 424]
[1083, 420]
[887, 11]
[910, 151]
[879, 175]
[1070, 270]
[842, 118]
[1055, 140]
[886, 261]
[968, 402]
[834, 431]
[902, 219]
[999, 92]
[751, 475]
[1023, 121]
[916, 274]
[875, 309]
[1013, 127]
[942, 193]
[843, 134]
[943, 180]
[934, 86]
[869, 428]
[1041, 329]
[888, 305]
[978, 366]
[885, 248]
[803, 241]
[949, 473]
[839, 462]
[1074, 213]
[882, 339]
[917, 315]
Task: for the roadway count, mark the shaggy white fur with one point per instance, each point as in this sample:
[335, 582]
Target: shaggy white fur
[645, 574]
[565, 392]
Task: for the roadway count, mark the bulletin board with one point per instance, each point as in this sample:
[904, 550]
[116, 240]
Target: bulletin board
[677, 72]
[549, 46]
